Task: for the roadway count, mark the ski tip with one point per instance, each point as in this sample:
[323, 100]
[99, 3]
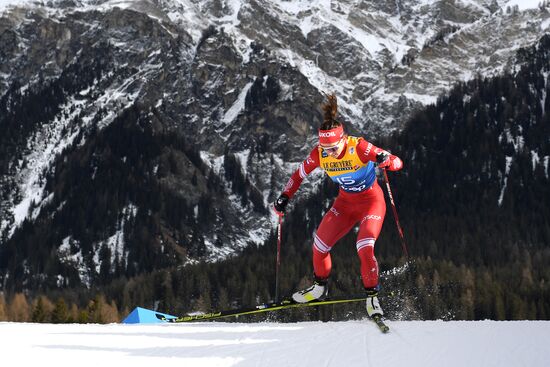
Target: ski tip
[164, 318]
[379, 321]
[161, 317]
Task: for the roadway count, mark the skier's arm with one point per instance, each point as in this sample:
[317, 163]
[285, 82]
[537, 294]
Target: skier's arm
[306, 167]
[368, 152]
[293, 184]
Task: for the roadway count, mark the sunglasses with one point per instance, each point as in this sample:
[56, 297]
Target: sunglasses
[333, 149]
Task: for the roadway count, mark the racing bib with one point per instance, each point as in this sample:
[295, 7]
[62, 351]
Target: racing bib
[349, 172]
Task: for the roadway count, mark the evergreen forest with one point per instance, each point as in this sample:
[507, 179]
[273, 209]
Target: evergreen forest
[473, 199]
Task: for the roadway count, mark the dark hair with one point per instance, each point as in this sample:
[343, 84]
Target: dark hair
[330, 110]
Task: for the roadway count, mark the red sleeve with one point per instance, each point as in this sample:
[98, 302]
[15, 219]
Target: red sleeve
[367, 151]
[306, 167]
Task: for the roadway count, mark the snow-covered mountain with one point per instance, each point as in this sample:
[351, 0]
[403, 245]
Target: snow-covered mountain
[375, 55]
[224, 94]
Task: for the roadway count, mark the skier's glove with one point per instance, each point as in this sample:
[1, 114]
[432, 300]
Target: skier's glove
[280, 204]
[389, 161]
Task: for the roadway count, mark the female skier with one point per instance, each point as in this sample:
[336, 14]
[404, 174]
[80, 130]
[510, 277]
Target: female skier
[348, 161]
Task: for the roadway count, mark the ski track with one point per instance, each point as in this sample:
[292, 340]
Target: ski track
[335, 349]
[396, 332]
[366, 350]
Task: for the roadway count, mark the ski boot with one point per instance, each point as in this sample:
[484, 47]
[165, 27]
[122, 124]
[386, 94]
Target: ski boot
[316, 292]
[373, 305]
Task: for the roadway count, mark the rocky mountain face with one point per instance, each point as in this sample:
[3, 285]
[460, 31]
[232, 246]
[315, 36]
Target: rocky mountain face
[143, 134]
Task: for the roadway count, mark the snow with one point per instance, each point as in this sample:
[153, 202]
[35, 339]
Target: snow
[213, 162]
[86, 4]
[258, 230]
[7, 3]
[522, 4]
[305, 344]
[186, 12]
[475, 4]
[43, 147]
[323, 82]
[307, 25]
[506, 172]
[308, 15]
[543, 98]
[116, 242]
[52, 138]
[233, 111]
[76, 260]
[233, 18]
[422, 98]
[535, 159]
[242, 158]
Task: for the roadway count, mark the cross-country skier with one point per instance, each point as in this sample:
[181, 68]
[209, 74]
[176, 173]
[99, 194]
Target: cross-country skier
[348, 161]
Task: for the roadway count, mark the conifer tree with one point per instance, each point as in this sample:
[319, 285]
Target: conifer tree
[73, 315]
[19, 309]
[3, 308]
[95, 309]
[39, 313]
[60, 314]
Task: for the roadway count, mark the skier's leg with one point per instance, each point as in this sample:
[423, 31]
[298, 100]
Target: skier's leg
[369, 266]
[336, 223]
[369, 230]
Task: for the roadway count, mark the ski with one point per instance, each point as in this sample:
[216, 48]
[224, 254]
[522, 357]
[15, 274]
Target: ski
[379, 321]
[266, 307]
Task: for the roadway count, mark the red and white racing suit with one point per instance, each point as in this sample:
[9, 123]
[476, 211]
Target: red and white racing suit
[360, 200]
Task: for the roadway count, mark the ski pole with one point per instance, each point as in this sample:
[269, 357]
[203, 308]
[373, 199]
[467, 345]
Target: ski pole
[399, 229]
[278, 263]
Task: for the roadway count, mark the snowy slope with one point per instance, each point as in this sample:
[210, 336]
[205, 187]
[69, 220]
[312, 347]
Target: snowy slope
[353, 343]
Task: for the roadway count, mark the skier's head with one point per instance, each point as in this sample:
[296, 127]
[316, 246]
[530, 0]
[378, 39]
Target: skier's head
[331, 132]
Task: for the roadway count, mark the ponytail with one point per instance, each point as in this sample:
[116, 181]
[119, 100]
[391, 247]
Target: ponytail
[330, 111]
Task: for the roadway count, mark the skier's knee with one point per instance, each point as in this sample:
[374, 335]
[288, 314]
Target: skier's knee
[365, 246]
